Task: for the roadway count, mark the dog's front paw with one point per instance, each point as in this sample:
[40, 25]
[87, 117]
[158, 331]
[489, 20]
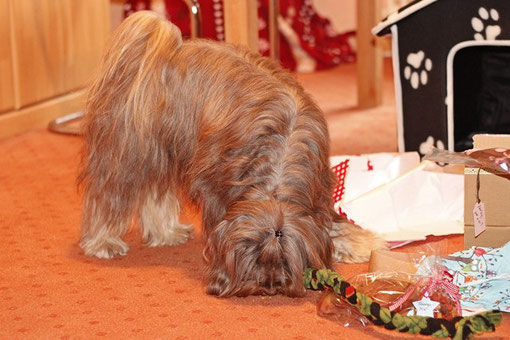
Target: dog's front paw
[104, 249]
[354, 244]
[177, 234]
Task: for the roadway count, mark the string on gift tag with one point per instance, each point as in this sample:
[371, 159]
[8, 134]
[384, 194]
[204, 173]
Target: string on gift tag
[478, 210]
[478, 186]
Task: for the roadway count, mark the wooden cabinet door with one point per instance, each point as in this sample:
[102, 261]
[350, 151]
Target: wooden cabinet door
[57, 45]
[6, 75]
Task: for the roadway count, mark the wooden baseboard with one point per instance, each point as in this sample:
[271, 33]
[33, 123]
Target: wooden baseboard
[39, 115]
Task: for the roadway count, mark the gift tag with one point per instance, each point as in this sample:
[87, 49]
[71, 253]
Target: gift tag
[479, 218]
[425, 307]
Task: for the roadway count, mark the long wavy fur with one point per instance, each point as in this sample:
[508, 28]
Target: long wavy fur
[218, 126]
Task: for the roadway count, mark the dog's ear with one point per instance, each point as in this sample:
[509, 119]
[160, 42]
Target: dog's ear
[218, 281]
[230, 261]
[210, 252]
[216, 277]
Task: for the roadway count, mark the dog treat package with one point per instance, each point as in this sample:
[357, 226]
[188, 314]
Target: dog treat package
[429, 292]
[383, 288]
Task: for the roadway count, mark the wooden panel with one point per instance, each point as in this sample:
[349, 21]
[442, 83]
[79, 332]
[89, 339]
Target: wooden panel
[369, 54]
[57, 45]
[241, 23]
[39, 115]
[6, 80]
[92, 29]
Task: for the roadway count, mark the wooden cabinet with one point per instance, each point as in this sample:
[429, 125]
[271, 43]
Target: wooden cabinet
[6, 76]
[50, 50]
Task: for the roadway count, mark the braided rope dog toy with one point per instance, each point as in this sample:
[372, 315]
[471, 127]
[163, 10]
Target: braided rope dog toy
[457, 328]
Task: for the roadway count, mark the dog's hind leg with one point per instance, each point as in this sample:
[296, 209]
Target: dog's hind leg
[122, 153]
[159, 219]
[102, 237]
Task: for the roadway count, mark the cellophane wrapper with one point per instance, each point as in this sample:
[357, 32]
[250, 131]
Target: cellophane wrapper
[494, 160]
[386, 288]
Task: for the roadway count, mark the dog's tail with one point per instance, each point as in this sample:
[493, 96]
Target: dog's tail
[125, 102]
[131, 81]
[352, 243]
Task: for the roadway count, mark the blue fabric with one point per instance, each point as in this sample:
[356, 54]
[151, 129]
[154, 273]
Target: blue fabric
[483, 277]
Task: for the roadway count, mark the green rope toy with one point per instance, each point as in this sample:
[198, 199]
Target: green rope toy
[457, 328]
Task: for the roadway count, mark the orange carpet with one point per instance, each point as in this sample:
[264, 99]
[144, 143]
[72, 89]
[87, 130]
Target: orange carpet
[50, 290]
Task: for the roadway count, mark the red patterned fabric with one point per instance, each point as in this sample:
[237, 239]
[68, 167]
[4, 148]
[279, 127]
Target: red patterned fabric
[314, 34]
[340, 171]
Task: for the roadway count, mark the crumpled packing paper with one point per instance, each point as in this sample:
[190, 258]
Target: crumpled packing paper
[403, 199]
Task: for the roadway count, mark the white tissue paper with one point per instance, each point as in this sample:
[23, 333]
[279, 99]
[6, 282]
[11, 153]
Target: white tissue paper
[401, 198]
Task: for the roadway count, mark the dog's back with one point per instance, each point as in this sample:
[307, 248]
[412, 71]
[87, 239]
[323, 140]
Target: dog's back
[251, 122]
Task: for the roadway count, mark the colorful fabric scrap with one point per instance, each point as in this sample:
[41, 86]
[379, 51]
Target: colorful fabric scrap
[483, 277]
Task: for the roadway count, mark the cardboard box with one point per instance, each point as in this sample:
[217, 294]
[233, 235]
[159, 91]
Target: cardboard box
[484, 141]
[494, 237]
[494, 193]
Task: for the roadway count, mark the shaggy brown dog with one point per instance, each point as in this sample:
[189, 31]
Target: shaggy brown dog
[225, 129]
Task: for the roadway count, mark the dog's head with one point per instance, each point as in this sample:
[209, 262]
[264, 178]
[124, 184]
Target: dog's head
[263, 247]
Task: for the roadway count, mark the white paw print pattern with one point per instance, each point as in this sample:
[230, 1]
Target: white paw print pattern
[429, 143]
[485, 24]
[417, 69]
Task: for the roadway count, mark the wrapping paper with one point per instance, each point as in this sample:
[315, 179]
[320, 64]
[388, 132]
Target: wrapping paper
[367, 172]
[402, 199]
[494, 160]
